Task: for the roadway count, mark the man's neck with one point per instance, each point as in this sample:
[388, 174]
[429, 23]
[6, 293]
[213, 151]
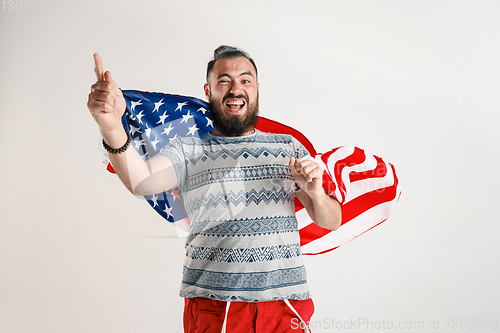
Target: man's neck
[216, 132]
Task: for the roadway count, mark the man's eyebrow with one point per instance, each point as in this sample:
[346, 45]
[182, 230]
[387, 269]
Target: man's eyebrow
[227, 75]
[223, 75]
[246, 73]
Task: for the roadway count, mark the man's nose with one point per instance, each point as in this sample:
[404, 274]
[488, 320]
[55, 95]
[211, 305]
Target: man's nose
[236, 88]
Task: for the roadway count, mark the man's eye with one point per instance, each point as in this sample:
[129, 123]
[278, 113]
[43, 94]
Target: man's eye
[245, 81]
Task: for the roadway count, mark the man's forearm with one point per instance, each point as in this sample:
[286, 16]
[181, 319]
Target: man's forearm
[324, 210]
[140, 177]
[327, 211]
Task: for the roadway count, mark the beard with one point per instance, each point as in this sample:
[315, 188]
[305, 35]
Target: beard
[234, 126]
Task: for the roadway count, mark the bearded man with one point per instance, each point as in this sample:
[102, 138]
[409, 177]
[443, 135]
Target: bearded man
[243, 270]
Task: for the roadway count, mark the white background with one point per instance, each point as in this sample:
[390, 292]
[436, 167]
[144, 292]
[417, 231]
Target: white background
[416, 82]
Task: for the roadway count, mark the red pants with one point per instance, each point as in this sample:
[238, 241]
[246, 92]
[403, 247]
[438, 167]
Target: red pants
[203, 315]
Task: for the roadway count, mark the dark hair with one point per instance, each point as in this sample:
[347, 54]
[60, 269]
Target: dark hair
[226, 51]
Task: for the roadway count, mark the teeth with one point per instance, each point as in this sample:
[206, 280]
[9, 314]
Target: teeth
[235, 103]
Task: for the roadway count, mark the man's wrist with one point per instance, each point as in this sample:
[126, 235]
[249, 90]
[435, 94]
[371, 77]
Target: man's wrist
[318, 194]
[118, 150]
[116, 138]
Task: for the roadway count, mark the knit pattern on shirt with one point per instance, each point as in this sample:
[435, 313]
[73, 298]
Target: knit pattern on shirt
[243, 242]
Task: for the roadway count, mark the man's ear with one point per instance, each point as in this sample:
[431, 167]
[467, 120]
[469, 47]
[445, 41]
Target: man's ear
[207, 91]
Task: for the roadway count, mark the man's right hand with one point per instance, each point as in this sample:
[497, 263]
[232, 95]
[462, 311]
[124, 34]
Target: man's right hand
[107, 105]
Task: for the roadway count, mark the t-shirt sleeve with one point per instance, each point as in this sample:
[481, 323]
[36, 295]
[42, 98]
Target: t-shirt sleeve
[299, 149]
[299, 152]
[175, 153]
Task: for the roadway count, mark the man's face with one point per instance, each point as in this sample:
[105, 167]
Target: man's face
[233, 93]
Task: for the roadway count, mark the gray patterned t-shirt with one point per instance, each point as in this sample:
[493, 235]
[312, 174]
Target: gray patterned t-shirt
[243, 242]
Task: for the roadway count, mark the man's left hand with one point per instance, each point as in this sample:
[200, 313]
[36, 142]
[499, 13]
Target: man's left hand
[308, 175]
[324, 210]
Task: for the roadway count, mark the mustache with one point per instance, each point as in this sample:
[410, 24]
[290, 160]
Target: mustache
[231, 95]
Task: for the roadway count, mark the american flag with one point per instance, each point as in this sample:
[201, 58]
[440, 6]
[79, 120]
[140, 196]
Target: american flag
[365, 185]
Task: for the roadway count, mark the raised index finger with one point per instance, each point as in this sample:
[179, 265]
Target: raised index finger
[98, 67]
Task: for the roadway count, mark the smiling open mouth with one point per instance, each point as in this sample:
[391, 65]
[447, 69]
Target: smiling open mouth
[235, 105]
